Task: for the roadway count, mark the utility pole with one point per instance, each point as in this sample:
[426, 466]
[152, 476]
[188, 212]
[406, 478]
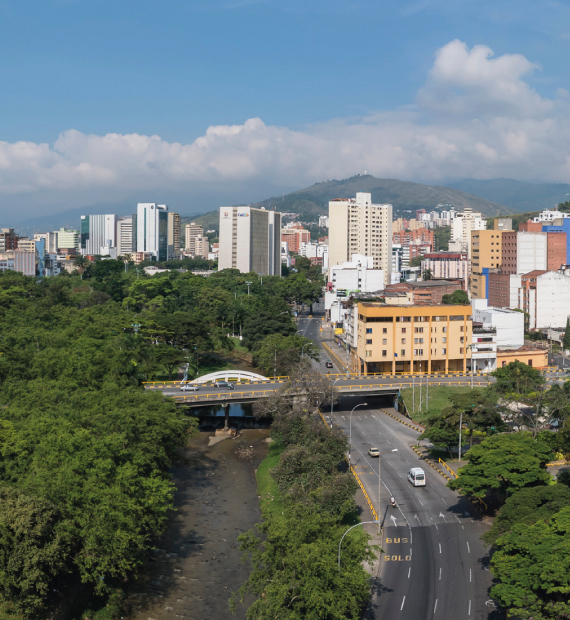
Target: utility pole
[420, 384]
[275, 366]
[460, 425]
[413, 392]
[248, 283]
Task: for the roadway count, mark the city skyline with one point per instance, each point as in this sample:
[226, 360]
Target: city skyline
[233, 102]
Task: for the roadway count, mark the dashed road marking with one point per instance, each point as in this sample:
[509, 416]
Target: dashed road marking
[403, 601]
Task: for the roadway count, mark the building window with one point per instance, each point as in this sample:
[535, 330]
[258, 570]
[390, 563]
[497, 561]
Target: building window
[419, 352]
[384, 330]
[403, 353]
[443, 351]
[444, 330]
[504, 364]
[444, 340]
[461, 350]
[403, 330]
[403, 341]
[419, 330]
[369, 341]
[368, 354]
[368, 330]
[384, 340]
[530, 362]
[384, 353]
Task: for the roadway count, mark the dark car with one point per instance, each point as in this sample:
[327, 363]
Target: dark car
[224, 384]
[328, 364]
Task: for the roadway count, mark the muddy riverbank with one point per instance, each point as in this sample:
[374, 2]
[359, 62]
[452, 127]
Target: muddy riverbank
[198, 564]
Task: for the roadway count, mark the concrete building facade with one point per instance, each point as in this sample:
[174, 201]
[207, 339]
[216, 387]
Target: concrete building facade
[250, 240]
[393, 339]
[545, 296]
[173, 235]
[125, 236]
[461, 227]
[358, 226]
[448, 266]
[192, 231]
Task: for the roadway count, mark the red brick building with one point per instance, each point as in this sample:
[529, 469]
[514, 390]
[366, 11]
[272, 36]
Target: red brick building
[294, 237]
[407, 237]
[428, 292]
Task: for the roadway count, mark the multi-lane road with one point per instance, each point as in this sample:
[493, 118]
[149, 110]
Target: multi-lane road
[434, 565]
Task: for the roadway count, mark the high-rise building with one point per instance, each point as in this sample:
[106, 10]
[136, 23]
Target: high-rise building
[8, 240]
[173, 240]
[461, 227]
[192, 231]
[152, 230]
[358, 226]
[201, 247]
[98, 233]
[295, 237]
[250, 240]
[50, 239]
[68, 239]
[486, 254]
[125, 235]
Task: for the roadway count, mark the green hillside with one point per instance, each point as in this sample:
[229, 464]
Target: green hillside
[403, 195]
[517, 195]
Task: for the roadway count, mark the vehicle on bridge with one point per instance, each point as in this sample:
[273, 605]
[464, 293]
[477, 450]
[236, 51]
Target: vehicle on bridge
[417, 477]
[224, 384]
[374, 452]
[189, 387]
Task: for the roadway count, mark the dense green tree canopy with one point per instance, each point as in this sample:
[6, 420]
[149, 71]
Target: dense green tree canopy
[504, 463]
[533, 566]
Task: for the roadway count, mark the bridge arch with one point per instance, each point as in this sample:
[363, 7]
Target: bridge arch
[227, 375]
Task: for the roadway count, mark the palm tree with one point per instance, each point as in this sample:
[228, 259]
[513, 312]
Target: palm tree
[81, 263]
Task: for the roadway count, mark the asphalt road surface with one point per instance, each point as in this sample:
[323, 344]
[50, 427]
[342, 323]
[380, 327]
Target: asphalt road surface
[434, 565]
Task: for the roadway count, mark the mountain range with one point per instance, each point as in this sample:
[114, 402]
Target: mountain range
[405, 197]
[491, 197]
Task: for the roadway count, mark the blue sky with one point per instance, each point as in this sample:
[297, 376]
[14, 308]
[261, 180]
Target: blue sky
[84, 84]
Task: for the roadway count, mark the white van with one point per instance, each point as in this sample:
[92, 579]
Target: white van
[417, 477]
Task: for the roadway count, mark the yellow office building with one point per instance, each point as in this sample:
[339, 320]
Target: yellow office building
[393, 339]
[486, 254]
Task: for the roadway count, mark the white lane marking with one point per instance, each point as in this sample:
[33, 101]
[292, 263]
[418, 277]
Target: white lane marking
[420, 501]
[343, 418]
[404, 600]
[410, 551]
[440, 574]
[398, 474]
[468, 550]
[436, 527]
[440, 547]
[469, 575]
[435, 606]
[469, 612]
[409, 571]
[458, 521]
[408, 462]
[444, 501]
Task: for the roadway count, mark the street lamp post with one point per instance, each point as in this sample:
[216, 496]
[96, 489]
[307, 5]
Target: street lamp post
[347, 531]
[332, 399]
[303, 349]
[248, 283]
[350, 430]
[473, 348]
[380, 489]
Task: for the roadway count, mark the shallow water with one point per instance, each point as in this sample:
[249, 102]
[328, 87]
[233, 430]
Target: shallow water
[198, 564]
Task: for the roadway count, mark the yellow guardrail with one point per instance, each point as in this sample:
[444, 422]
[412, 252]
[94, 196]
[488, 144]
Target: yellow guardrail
[448, 468]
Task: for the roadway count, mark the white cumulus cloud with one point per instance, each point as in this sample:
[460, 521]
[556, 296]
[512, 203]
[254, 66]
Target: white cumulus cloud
[476, 116]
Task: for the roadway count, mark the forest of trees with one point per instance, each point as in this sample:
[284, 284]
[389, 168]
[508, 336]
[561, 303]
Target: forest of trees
[84, 450]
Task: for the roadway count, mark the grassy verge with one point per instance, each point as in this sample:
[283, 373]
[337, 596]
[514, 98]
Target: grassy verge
[267, 487]
[438, 399]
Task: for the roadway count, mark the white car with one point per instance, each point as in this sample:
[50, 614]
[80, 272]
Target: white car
[189, 387]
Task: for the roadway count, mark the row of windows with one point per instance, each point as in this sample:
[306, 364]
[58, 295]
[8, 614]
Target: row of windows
[408, 319]
[417, 352]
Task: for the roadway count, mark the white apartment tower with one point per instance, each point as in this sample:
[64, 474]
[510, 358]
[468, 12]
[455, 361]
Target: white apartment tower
[461, 227]
[358, 226]
[151, 230]
[125, 236]
[193, 231]
[250, 240]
